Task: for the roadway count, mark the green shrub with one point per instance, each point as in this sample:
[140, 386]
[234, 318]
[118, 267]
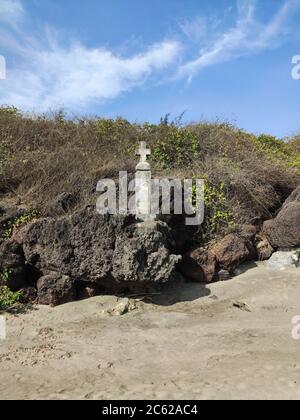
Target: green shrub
[9, 111]
[22, 220]
[287, 152]
[7, 297]
[219, 215]
[179, 148]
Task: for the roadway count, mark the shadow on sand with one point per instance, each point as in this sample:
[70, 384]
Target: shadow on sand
[181, 290]
[178, 291]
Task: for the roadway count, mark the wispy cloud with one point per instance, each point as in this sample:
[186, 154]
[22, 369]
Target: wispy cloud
[76, 77]
[195, 30]
[11, 11]
[248, 36]
[50, 75]
[45, 73]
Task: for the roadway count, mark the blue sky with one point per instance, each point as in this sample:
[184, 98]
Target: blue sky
[140, 59]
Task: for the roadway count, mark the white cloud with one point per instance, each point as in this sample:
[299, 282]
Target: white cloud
[45, 73]
[11, 11]
[50, 75]
[75, 77]
[247, 37]
[195, 29]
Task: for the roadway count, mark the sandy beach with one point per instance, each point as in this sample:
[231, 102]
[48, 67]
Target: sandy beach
[228, 340]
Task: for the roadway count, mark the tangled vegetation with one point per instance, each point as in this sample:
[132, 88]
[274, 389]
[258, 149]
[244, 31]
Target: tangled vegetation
[246, 176]
[7, 297]
[17, 223]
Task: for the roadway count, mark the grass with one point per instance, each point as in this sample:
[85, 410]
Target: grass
[246, 176]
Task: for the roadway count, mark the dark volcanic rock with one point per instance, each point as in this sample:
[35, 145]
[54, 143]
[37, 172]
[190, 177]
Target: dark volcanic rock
[55, 289]
[111, 251]
[7, 217]
[12, 262]
[284, 230]
[28, 295]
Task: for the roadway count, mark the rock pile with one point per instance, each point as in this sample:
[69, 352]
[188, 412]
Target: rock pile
[57, 260]
[82, 254]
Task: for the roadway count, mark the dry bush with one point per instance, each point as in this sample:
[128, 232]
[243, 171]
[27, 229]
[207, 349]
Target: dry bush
[41, 157]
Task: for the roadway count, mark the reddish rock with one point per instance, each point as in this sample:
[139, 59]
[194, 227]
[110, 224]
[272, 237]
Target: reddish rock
[231, 251]
[90, 290]
[199, 265]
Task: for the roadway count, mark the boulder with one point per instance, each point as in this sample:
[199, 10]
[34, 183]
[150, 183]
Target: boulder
[55, 289]
[247, 232]
[294, 197]
[231, 251]
[110, 250]
[12, 263]
[199, 265]
[28, 294]
[284, 230]
[219, 261]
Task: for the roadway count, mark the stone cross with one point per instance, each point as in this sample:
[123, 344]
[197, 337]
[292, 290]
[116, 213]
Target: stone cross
[143, 185]
[143, 152]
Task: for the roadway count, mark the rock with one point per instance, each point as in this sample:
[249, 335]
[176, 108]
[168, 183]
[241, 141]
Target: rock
[264, 249]
[110, 250]
[28, 295]
[284, 230]
[220, 260]
[55, 289]
[89, 290]
[12, 263]
[243, 306]
[19, 233]
[199, 265]
[123, 307]
[284, 259]
[294, 197]
[224, 275]
[142, 260]
[181, 236]
[231, 251]
[62, 204]
[191, 270]
[7, 217]
[247, 231]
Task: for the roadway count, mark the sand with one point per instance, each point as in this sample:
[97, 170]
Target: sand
[228, 340]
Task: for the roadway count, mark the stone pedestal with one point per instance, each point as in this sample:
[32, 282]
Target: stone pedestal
[143, 186]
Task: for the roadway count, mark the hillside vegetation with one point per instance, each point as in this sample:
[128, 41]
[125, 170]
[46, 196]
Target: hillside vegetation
[247, 176]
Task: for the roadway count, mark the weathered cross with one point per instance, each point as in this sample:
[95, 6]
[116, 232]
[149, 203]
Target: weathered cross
[143, 152]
